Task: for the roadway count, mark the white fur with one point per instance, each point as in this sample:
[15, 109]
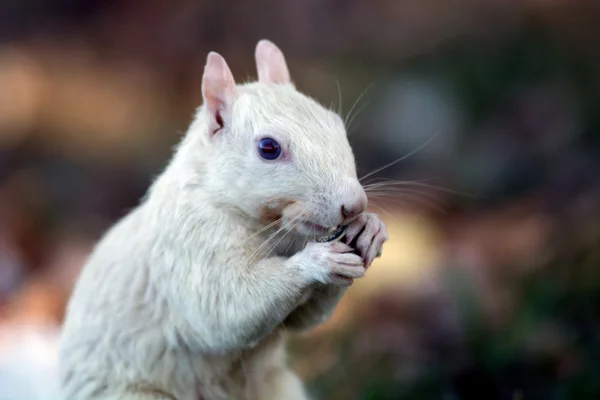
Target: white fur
[179, 299]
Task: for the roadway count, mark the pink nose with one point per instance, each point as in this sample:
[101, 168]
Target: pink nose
[351, 210]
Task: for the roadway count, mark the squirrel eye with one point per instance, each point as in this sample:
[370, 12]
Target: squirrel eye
[269, 149]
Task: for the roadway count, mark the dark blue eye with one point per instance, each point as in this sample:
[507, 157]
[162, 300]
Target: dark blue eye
[269, 149]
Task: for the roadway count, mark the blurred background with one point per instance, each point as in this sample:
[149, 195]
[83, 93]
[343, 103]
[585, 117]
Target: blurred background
[490, 282]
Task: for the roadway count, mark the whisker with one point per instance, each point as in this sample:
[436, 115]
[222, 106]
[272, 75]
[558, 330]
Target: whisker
[291, 243]
[273, 247]
[386, 211]
[388, 187]
[264, 228]
[401, 158]
[354, 105]
[420, 184]
[382, 209]
[296, 235]
[339, 89]
[417, 200]
[408, 189]
[393, 191]
[295, 222]
[257, 251]
[373, 180]
[292, 225]
[388, 180]
[356, 114]
[399, 192]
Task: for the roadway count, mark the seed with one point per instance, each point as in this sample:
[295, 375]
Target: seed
[335, 235]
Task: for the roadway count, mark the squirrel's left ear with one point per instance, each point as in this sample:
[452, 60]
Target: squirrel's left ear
[271, 64]
[218, 89]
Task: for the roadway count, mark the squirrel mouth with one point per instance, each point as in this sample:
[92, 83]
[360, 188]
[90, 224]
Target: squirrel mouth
[322, 233]
[334, 234]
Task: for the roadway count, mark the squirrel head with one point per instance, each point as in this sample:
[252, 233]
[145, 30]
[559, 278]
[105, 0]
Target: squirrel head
[269, 151]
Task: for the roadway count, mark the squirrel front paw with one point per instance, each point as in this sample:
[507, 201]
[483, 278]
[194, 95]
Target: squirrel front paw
[330, 263]
[367, 234]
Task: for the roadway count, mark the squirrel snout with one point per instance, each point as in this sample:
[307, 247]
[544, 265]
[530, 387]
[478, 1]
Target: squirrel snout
[352, 209]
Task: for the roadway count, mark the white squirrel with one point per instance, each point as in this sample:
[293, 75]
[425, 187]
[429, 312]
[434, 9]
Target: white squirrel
[189, 295]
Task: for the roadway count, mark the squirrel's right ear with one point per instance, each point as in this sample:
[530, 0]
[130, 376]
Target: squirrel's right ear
[218, 89]
[271, 64]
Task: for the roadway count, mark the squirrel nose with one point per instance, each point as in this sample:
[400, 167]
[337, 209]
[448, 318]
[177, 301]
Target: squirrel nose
[351, 210]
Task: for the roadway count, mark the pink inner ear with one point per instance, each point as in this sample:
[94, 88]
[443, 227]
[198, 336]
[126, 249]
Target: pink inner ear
[271, 64]
[276, 76]
[218, 89]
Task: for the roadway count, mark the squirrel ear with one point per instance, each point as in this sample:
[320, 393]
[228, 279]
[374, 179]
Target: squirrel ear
[271, 64]
[218, 89]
